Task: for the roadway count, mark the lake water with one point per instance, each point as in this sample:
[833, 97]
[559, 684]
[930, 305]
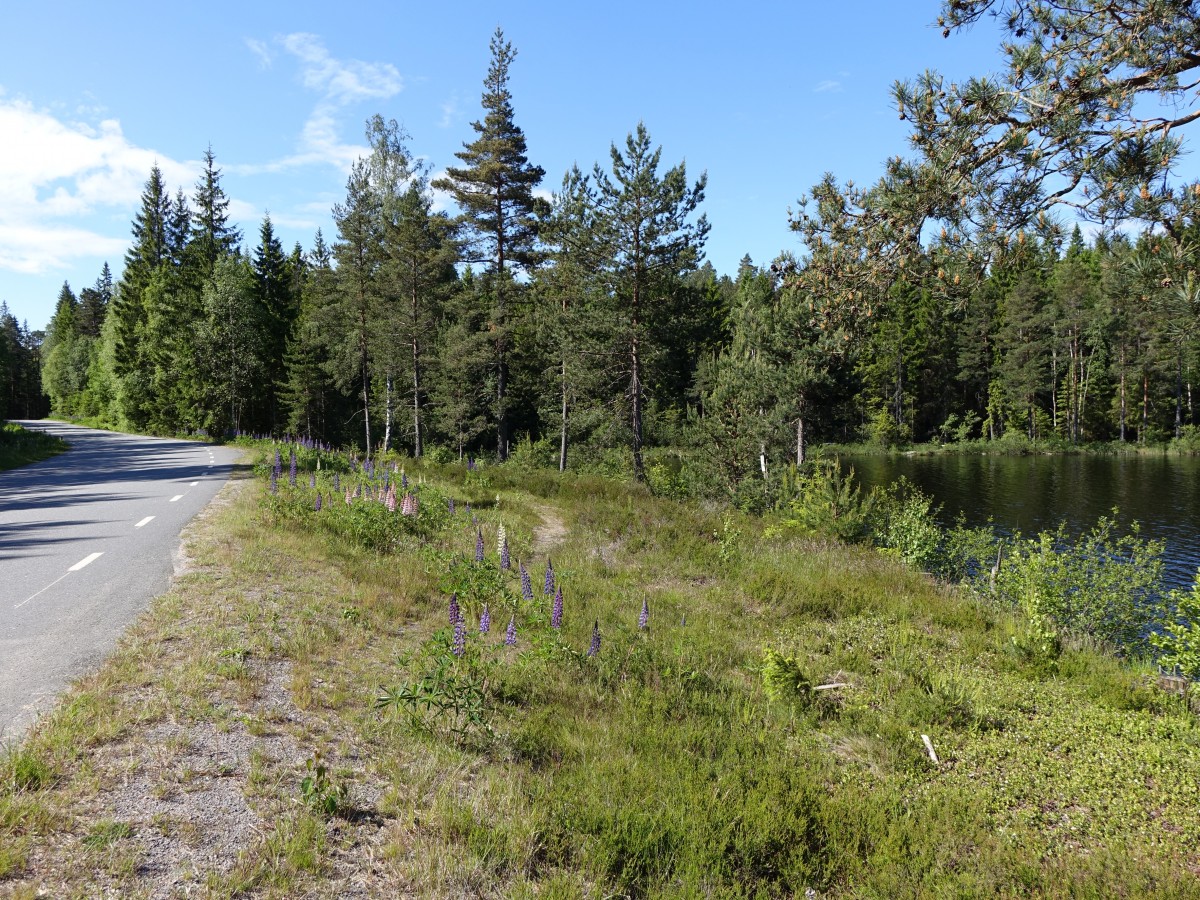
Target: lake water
[1036, 493]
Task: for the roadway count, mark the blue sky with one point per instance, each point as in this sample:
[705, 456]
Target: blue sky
[765, 97]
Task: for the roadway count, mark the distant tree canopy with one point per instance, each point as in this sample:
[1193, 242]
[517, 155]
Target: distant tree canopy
[945, 301]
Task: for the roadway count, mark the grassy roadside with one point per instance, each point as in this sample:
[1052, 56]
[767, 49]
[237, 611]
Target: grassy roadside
[679, 760]
[20, 446]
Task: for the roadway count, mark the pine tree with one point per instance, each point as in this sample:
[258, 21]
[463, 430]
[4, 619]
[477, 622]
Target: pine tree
[646, 240]
[494, 188]
[357, 254]
[420, 272]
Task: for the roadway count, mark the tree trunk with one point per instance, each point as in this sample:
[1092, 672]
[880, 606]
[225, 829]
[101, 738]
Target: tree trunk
[562, 442]
[1123, 408]
[635, 390]
[1179, 393]
[501, 338]
[387, 411]
[800, 440]
[418, 445]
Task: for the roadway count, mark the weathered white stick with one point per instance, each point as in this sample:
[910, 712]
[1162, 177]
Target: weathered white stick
[929, 747]
[831, 686]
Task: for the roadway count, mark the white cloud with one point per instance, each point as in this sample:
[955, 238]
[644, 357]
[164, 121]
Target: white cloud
[262, 51]
[342, 81]
[51, 170]
[449, 113]
[339, 83]
[827, 85]
[34, 249]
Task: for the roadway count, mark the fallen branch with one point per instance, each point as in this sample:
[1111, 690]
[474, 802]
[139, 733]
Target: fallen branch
[929, 747]
[832, 686]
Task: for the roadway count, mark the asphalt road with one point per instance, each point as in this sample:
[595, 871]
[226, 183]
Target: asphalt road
[87, 539]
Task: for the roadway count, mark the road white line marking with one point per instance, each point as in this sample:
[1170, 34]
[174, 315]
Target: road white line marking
[87, 560]
[43, 590]
[193, 484]
[176, 497]
[144, 521]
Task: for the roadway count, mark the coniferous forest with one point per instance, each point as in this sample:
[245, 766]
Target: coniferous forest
[952, 301]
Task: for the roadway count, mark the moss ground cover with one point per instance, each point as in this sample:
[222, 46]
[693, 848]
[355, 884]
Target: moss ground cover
[306, 713]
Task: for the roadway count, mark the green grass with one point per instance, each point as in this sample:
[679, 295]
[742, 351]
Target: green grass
[661, 766]
[20, 446]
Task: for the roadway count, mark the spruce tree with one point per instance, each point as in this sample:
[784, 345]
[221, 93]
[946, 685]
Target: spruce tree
[273, 280]
[211, 234]
[494, 188]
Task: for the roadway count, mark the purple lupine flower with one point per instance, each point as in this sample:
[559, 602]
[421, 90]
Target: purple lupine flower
[510, 634]
[469, 509]
[337, 485]
[470, 464]
[460, 637]
[644, 616]
[505, 563]
[595, 645]
[278, 464]
[454, 610]
[557, 610]
[549, 587]
[478, 546]
[450, 504]
[485, 620]
[317, 503]
[312, 480]
[274, 482]
[403, 480]
[292, 470]
[526, 582]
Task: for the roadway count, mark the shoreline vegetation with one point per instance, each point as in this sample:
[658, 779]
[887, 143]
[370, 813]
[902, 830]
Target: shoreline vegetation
[21, 446]
[443, 679]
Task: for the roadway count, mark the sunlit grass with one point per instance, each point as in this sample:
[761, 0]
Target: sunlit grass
[659, 767]
[20, 446]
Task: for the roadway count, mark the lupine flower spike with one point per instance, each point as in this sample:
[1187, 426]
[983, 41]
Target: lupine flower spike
[557, 610]
[460, 637]
[278, 463]
[292, 470]
[337, 485]
[549, 587]
[454, 611]
[595, 645]
[274, 482]
[644, 618]
[526, 582]
[502, 543]
[317, 503]
[485, 621]
[450, 504]
[478, 546]
[510, 635]
[312, 480]
[403, 480]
